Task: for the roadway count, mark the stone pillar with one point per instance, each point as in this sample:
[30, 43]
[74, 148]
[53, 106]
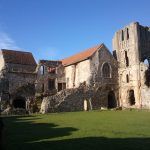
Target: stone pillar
[85, 105]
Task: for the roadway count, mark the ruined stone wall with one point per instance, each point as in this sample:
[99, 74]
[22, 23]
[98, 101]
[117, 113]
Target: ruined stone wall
[49, 70]
[125, 45]
[19, 75]
[97, 61]
[90, 71]
[73, 99]
[145, 90]
[131, 46]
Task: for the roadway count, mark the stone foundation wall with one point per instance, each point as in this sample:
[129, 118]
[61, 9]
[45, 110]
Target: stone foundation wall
[73, 99]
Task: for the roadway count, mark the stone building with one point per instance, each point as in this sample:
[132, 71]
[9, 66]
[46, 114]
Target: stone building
[96, 67]
[105, 80]
[50, 77]
[17, 77]
[131, 47]
[91, 75]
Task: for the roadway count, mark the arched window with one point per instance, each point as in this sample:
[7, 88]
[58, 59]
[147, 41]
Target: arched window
[106, 72]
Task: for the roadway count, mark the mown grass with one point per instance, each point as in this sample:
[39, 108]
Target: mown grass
[119, 130]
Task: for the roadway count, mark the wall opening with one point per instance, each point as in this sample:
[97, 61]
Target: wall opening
[61, 86]
[42, 70]
[51, 84]
[115, 54]
[127, 59]
[127, 33]
[106, 72]
[122, 35]
[131, 98]
[127, 78]
[146, 62]
[43, 87]
[51, 70]
[147, 73]
[19, 102]
[112, 100]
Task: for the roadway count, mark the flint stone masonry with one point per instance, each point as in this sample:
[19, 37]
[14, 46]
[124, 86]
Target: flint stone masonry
[17, 72]
[73, 99]
[131, 46]
[91, 79]
[66, 100]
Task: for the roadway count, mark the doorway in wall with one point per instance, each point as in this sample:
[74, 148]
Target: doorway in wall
[131, 98]
[112, 100]
[19, 102]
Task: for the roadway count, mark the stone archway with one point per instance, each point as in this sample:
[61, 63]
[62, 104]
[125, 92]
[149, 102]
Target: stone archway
[131, 97]
[112, 103]
[19, 102]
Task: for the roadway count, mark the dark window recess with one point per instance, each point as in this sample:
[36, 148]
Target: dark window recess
[51, 84]
[42, 87]
[112, 103]
[61, 86]
[127, 33]
[122, 35]
[64, 85]
[106, 70]
[127, 78]
[115, 54]
[127, 59]
[131, 97]
[19, 103]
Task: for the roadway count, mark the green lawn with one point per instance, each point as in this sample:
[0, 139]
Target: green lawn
[110, 130]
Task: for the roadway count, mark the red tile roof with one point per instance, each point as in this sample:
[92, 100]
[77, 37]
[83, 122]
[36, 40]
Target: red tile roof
[81, 56]
[18, 57]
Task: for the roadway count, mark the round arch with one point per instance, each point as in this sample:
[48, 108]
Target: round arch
[19, 102]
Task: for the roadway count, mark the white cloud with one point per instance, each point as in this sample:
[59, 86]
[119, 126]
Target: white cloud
[6, 42]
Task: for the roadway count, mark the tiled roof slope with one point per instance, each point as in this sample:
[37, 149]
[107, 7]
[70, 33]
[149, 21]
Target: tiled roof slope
[18, 57]
[81, 56]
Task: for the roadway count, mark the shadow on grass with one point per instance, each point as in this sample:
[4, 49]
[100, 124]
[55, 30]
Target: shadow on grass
[94, 143]
[29, 135]
[18, 132]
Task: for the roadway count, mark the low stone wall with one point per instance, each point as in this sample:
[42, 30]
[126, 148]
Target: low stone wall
[66, 100]
[73, 99]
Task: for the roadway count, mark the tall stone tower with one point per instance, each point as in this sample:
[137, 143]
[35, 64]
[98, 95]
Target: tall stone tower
[131, 47]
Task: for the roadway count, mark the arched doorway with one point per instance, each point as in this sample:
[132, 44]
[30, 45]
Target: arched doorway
[131, 98]
[112, 100]
[19, 102]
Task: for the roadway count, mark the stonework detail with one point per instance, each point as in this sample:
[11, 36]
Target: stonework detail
[17, 77]
[131, 47]
[91, 79]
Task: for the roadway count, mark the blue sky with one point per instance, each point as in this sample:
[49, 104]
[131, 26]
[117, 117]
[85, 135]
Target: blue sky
[55, 29]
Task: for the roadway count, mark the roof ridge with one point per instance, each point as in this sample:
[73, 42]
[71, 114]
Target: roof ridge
[81, 55]
[15, 50]
[83, 51]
